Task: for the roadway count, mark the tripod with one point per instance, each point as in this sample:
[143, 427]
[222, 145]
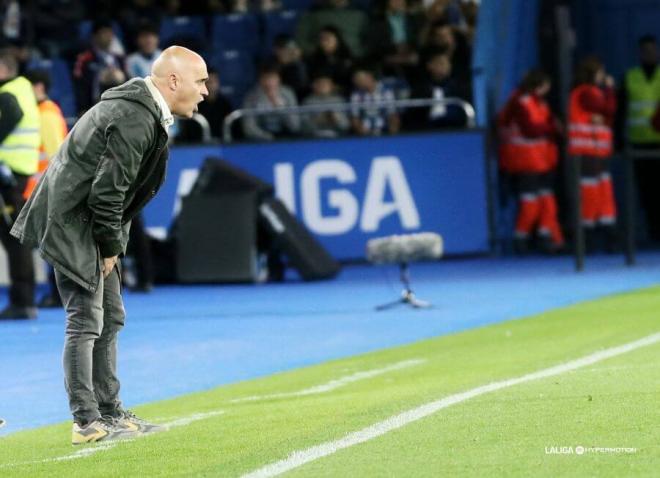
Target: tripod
[407, 295]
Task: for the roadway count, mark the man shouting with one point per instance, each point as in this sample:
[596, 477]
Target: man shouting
[110, 165]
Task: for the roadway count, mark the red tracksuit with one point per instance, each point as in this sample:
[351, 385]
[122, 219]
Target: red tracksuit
[528, 152]
[591, 113]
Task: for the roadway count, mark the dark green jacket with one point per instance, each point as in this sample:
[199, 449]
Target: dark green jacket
[110, 165]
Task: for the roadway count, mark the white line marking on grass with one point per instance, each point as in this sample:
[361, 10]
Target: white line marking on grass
[336, 383]
[183, 421]
[105, 446]
[301, 457]
[85, 452]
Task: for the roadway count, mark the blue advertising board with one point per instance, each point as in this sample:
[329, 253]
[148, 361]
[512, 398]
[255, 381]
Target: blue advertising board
[347, 191]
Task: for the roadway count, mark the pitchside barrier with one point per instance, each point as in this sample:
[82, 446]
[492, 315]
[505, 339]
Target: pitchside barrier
[347, 191]
[629, 199]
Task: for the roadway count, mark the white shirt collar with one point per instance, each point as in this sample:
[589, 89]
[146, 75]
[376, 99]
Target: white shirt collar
[166, 117]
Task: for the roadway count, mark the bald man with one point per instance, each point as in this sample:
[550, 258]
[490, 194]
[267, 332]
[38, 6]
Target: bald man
[110, 165]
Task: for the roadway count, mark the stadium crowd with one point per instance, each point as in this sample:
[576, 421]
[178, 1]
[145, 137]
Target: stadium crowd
[267, 54]
[262, 54]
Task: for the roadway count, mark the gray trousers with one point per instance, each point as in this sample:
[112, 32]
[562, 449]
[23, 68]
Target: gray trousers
[90, 347]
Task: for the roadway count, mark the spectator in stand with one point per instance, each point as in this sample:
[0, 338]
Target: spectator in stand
[367, 117]
[216, 106]
[437, 83]
[326, 124]
[293, 70]
[139, 64]
[332, 54]
[446, 10]
[393, 39]
[270, 94]
[442, 36]
[352, 24]
[134, 15]
[470, 10]
[528, 152]
[90, 63]
[110, 77]
[172, 8]
[591, 113]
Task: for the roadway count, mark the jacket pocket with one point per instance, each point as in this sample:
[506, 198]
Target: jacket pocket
[79, 214]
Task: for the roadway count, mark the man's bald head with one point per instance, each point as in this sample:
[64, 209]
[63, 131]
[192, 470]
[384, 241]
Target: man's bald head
[180, 75]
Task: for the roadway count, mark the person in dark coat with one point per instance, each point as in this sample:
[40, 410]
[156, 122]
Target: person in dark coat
[79, 216]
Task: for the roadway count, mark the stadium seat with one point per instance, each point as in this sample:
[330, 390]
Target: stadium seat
[237, 73]
[189, 31]
[61, 90]
[235, 32]
[277, 23]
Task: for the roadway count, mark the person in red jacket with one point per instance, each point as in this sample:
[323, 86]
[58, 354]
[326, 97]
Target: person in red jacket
[591, 112]
[528, 151]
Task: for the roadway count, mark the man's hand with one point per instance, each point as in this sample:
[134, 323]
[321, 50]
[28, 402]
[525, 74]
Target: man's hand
[108, 264]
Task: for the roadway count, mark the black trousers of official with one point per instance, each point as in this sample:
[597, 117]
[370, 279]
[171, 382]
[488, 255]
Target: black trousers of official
[139, 246]
[21, 265]
[647, 172]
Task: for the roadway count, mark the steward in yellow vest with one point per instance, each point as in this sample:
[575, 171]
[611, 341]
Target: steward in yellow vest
[641, 94]
[53, 133]
[19, 158]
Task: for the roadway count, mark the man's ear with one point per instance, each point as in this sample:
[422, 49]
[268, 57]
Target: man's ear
[173, 81]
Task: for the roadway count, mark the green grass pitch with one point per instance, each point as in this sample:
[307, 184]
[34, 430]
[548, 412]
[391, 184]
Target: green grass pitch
[610, 408]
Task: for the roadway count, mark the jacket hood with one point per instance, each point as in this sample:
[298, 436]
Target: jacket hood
[134, 90]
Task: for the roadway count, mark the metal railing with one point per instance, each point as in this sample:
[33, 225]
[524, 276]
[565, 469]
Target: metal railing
[629, 156]
[204, 125]
[346, 106]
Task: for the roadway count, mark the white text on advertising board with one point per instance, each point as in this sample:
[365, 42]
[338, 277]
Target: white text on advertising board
[385, 174]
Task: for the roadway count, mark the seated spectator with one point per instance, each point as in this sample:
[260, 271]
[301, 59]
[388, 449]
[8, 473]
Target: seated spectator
[438, 84]
[270, 94]
[368, 118]
[215, 107]
[442, 36]
[393, 38]
[134, 15]
[138, 64]
[449, 11]
[109, 77]
[292, 69]
[332, 54]
[326, 124]
[352, 24]
[91, 62]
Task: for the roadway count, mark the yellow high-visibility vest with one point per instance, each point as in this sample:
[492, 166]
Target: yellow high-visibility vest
[20, 149]
[643, 96]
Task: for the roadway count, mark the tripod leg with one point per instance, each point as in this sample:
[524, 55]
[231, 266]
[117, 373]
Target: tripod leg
[390, 305]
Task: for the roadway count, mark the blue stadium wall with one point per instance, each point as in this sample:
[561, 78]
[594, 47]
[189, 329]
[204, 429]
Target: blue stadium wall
[350, 190]
[611, 28]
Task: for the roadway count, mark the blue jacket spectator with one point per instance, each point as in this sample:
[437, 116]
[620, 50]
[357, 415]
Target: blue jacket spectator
[138, 64]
